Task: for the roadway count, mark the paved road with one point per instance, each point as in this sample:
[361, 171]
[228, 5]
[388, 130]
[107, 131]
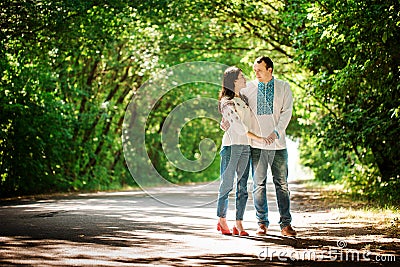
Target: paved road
[139, 229]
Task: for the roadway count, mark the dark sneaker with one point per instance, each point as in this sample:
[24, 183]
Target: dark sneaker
[288, 231]
[262, 230]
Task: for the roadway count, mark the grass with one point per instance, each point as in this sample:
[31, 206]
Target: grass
[350, 208]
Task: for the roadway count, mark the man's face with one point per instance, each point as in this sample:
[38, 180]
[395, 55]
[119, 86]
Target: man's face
[262, 74]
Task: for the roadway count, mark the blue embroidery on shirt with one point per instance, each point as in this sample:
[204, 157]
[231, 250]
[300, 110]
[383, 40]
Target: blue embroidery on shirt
[265, 98]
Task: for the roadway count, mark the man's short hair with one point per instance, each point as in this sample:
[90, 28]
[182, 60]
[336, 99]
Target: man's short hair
[267, 60]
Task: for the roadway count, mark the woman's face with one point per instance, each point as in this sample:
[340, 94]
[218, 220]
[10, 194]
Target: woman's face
[240, 83]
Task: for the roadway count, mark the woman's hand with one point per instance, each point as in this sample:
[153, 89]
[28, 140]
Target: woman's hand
[270, 138]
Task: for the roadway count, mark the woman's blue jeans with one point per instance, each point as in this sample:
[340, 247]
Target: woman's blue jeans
[278, 160]
[235, 162]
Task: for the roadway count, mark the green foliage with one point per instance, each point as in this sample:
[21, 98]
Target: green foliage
[69, 69]
[66, 82]
[352, 49]
[328, 164]
[192, 133]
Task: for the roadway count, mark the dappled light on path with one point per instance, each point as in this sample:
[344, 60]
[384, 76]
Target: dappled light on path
[126, 228]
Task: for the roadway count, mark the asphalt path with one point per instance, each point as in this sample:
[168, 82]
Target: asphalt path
[159, 227]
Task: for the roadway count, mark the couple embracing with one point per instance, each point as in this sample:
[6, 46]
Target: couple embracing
[254, 116]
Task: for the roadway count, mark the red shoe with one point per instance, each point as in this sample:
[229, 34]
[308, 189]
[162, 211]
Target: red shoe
[224, 232]
[235, 231]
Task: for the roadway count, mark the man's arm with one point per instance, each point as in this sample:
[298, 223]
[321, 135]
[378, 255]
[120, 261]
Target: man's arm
[286, 111]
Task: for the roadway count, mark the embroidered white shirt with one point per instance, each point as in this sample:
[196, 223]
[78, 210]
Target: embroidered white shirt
[239, 116]
[264, 125]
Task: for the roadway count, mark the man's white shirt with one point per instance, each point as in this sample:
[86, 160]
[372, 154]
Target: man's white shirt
[265, 124]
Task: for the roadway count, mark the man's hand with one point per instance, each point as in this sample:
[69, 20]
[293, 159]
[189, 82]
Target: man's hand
[270, 138]
[224, 125]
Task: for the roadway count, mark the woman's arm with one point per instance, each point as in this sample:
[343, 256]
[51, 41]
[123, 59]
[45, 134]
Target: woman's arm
[230, 114]
[256, 137]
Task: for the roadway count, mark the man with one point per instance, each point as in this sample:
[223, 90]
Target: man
[271, 101]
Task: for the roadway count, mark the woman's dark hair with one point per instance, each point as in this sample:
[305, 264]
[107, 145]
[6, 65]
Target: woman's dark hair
[228, 83]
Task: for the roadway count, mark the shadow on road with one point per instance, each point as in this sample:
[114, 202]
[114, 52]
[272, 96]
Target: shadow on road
[132, 228]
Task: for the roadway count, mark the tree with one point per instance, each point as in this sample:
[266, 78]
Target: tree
[352, 50]
[67, 76]
[70, 68]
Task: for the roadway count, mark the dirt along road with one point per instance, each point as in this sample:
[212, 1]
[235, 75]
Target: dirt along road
[135, 228]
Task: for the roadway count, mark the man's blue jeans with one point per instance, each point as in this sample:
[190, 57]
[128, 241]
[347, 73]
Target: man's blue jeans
[235, 161]
[278, 160]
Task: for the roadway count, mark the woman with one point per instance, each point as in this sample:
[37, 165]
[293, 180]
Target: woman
[235, 151]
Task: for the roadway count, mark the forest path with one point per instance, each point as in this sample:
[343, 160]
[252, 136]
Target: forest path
[137, 228]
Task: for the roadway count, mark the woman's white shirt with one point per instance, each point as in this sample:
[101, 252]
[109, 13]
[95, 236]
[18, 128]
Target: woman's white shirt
[239, 115]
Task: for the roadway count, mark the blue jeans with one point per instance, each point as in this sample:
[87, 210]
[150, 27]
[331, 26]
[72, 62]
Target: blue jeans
[278, 160]
[235, 160]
